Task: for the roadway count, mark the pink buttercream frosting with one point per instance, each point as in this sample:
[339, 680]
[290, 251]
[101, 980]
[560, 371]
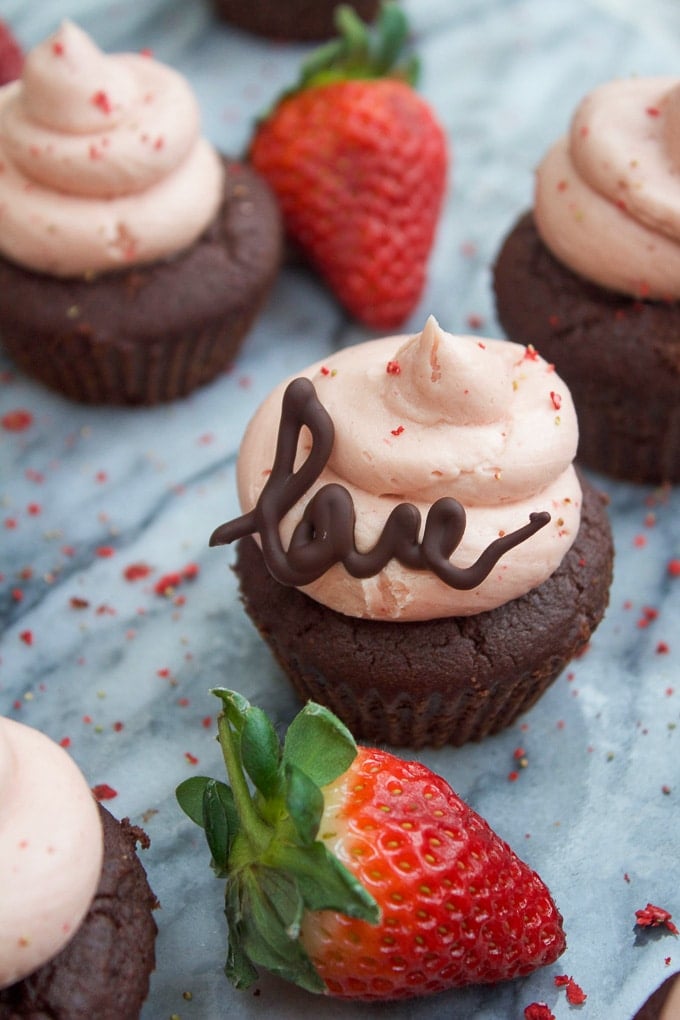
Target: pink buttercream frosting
[101, 160]
[50, 850]
[419, 417]
[607, 198]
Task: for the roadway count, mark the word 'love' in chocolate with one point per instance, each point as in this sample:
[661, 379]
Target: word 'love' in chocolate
[325, 534]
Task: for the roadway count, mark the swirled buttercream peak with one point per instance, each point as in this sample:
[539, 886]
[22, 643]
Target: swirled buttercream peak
[421, 419]
[101, 160]
[607, 198]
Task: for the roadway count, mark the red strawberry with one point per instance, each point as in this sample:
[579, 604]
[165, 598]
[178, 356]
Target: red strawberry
[11, 55]
[357, 874]
[358, 161]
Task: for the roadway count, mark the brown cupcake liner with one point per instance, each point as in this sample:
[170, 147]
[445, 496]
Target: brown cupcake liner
[626, 442]
[89, 371]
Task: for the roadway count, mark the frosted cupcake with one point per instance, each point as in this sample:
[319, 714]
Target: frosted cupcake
[133, 256]
[592, 276]
[416, 546]
[76, 930]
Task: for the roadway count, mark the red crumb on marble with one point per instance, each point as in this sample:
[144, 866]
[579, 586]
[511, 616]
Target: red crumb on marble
[191, 758]
[640, 541]
[662, 648]
[575, 994]
[104, 792]
[398, 431]
[105, 551]
[556, 400]
[137, 571]
[674, 567]
[652, 916]
[538, 1011]
[17, 420]
[167, 584]
[27, 637]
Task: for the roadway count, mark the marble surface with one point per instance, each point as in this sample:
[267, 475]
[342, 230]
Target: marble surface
[121, 673]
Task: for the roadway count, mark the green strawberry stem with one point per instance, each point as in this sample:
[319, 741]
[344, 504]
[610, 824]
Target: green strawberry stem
[360, 51]
[256, 831]
[262, 833]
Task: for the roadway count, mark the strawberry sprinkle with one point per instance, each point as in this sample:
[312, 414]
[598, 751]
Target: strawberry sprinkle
[538, 1011]
[102, 101]
[652, 917]
[575, 994]
[16, 421]
[104, 792]
[136, 571]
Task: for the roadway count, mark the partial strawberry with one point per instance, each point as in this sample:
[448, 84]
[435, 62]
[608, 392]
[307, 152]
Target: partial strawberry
[358, 162]
[11, 55]
[356, 874]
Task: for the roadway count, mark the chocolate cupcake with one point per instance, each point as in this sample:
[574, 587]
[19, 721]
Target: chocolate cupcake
[416, 546]
[77, 932]
[134, 264]
[591, 277]
[303, 20]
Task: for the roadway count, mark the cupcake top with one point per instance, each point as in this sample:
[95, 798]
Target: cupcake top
[101, 160]
[607, 199]
[418, 477]
[50, 850]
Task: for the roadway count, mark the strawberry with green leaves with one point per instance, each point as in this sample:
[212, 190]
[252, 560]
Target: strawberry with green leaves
[354, 873]
[358, 162]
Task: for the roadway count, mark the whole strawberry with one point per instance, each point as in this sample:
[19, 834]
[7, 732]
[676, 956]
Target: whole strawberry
[354, 873]
[11, 55]
[358, 162]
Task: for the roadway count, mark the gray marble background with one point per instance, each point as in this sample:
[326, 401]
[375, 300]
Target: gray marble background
[123, 674]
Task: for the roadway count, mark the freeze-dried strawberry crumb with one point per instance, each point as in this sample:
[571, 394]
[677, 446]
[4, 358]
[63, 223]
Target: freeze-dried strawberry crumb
[575, 994]
[136, 571]
[652, 916]
[674, 567]
[538, 1011]
[104, 792]
[393, 368]
[17, 420]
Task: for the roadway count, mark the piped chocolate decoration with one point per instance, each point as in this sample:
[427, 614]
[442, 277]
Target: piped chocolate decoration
[325, 534]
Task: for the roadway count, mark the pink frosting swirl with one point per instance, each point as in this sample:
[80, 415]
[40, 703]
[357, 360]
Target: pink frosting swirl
[418, 418]
[50, 850]
[101, 160]
[607, 202]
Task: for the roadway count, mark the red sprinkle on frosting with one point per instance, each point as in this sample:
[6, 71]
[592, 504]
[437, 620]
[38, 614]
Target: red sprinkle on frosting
[102, 101]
